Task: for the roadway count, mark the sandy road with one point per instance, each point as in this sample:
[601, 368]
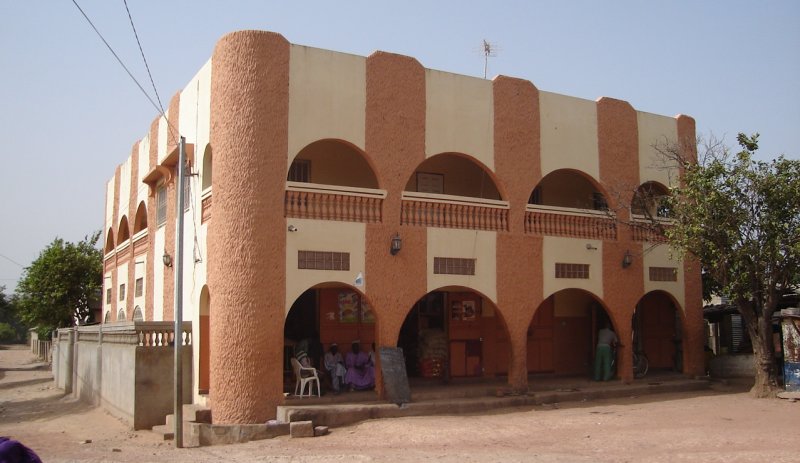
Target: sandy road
[724, 424]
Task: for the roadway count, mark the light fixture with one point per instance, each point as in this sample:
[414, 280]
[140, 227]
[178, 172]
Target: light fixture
[627, 259]
[397, 244]
[167, 259]
[292, 228]
[591, 247]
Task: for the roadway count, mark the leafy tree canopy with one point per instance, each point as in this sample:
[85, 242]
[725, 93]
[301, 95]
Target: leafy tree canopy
[61, 284]
[741, 218]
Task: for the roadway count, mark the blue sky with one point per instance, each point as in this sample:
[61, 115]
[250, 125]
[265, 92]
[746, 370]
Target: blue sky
[70, 113]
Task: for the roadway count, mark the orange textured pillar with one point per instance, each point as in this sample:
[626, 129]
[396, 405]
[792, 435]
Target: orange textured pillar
[246, 242]
[517, 152]
[693, 334]
[618, 147]
[395, 141]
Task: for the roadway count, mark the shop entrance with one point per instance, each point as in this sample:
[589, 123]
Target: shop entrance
[454, 334]
[657, 331]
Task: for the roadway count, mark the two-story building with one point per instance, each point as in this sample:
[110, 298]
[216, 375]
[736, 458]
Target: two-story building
[485, 226]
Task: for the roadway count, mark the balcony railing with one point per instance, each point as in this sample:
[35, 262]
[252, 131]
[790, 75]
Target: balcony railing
[647, 229]
[445, 211]
[333, 202]
[573, 223]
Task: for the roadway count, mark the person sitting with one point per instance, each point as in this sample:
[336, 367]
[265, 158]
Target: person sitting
[334, 365]
[360, 373]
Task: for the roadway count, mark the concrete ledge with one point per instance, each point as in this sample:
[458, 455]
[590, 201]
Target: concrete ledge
[203, 434]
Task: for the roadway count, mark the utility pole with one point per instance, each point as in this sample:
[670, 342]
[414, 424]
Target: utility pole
[178, 411]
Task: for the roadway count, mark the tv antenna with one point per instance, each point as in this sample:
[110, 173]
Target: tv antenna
[489, 51]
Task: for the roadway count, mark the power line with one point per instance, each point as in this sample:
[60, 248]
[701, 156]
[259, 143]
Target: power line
[143, 58]
[12, 261]
[119, 60]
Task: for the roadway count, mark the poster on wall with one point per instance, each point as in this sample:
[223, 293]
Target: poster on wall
[348, 307]
[455, 310]
[367, 314]
[469, 311]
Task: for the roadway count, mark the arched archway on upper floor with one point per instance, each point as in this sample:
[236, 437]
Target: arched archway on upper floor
[650, 201]
[333, 162]
[123, 232]
[208, 169]
[109, 241]
[569, 188]
[455, 174]
[140, 221]
[121, 315]
[138, 314]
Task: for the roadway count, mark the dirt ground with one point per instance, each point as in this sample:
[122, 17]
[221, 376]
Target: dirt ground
[724, 424]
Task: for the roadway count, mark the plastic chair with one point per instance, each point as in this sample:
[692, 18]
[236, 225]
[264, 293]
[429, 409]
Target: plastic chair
[309, 379]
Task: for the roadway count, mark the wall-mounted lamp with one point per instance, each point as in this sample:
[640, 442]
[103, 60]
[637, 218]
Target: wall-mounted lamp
[292, 228]
[591, 247]
[397, 244]
[627, 259]
[167, 259]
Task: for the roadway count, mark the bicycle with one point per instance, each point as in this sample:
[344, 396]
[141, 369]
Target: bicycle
[640, 362]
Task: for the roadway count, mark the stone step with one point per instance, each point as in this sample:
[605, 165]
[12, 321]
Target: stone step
[167, 432]
[192, 413]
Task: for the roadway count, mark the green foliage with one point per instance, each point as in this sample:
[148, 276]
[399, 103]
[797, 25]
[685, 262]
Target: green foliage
[11, 328]
[61, 284]
[741, 218]
[7, 333]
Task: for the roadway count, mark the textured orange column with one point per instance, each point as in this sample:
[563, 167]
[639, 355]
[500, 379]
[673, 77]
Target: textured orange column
[115, 231]
[152, 227]
[517, 153]
[693, 333]
[618, 146]
[395, 142]
[132, 194]
[247, 237]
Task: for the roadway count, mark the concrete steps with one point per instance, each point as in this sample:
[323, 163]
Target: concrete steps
[192, 413]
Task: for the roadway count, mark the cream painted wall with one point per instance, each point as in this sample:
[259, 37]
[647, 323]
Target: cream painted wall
[465, 244]
[316, 235]
[327, 97]
[655, 129]
[139, 271]
[459, 116]
[568, 134]
[572, 251]
[659, 256]
[462, 177]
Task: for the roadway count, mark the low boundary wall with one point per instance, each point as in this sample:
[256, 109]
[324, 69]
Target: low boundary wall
[126, 367]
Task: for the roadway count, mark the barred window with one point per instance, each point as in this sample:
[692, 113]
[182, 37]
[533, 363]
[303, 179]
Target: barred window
[663, 274]
[161, 205]
[122, 292]
[300, 171]
[108, 295]
[139, 288]
[453, 266]
[323, 260]
[572, 270]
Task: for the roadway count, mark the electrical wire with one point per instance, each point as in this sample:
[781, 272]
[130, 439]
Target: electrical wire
[119, 60]
[161, 106]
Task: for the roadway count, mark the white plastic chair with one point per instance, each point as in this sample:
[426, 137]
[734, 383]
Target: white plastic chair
[309, 379]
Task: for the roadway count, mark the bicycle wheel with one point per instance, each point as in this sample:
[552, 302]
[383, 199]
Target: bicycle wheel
[640, 365]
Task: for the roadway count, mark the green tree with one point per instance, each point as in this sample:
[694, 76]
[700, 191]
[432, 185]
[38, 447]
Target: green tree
[60, 285]
[11, 328]
[741, 218]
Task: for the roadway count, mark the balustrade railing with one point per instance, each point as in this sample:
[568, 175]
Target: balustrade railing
[332, 202]
[142, 334]
[445, 211]
[573, 223]
[648, 230]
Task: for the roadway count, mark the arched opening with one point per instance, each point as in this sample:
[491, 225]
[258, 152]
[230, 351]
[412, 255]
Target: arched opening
[204, 364]
[325, 314]
[138, 314]
[452, 333]
[453, 174]
[107, 317]
[207, 168]
[109, 241]
[650, 200]
[140, 221]
[123, 232]
[332, 162]
[121, 315]
[657, 331]
[562, 336]
[569, 189]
